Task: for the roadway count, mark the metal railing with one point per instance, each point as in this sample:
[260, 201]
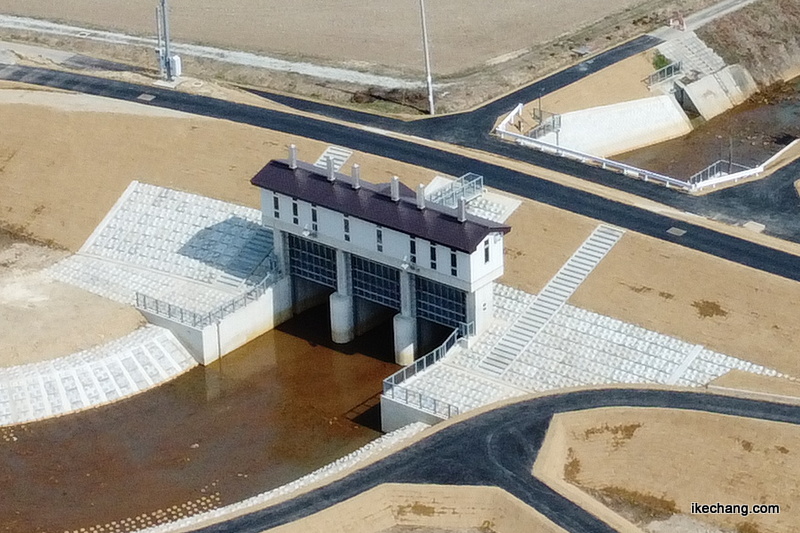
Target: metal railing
[201, 320]
[717, 169]
[711, 176]
[548, 123]
[610, 164]
[468, 186]
[392, 387]
[663, 74]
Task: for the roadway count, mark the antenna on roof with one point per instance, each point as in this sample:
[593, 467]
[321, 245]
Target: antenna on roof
[420, 196]
[356, 176]
[331, 172]
[292, 156]
[462, 209]
[395, 188]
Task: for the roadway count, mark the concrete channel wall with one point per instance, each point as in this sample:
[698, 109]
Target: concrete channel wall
[211, 342]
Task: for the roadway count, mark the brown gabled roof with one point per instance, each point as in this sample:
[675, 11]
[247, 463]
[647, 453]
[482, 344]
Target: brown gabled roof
[373, 203]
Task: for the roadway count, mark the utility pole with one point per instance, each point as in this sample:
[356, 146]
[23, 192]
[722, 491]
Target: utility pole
[427, 56]
[164, 53]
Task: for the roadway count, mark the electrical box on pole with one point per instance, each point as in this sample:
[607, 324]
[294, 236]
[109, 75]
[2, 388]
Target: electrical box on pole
[169, 64]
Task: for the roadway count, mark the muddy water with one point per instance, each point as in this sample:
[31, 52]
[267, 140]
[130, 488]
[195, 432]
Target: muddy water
[274, 410]
[751, 132]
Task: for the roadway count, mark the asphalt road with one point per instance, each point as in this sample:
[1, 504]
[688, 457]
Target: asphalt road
[499, 448]
[771, 201]
[584, 203]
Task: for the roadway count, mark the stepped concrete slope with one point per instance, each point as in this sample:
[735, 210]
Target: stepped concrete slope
[698, 59]
[337, 154]
[530, 322]
[612, 129]
[576, 347]
[143, 359]
[188, 250]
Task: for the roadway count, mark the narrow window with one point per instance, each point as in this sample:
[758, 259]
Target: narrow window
[453, 263]
[412, 249]
[314, 218]
[346, 228]
[379, 236]
[486, 251]
[433, 256]
[295, 217]
[276, 206]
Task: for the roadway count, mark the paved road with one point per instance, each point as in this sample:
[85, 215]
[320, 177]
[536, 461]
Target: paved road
[498, 449]
[771, 201]
[584, 203]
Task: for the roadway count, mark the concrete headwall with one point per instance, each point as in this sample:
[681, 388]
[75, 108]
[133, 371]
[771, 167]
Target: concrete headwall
[237, 329]
[395, 415]
[612, 129]
[713, 95]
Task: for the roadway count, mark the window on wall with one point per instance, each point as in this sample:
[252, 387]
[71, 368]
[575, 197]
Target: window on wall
[412, 249]
[433, 256]
[314, 218]
[379, 238]
[276, 206]
[453, 263]
[486, 251]
[295, 214]
[346, 228]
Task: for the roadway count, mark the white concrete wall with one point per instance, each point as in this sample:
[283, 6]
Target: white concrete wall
[235, 330]
[480, 308]
[255, 319]
[471, 268]
[612, 129]
[482, 272]
[395, 415]
[713, 95]
[191, 338]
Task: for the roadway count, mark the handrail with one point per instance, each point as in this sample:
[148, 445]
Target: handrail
[392, 385]
[200, 320]
[665, 73]
[715, 170]
[693, 184]
[605, 163]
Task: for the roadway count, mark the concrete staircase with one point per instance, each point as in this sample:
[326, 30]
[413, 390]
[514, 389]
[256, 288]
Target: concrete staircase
[557, 291]
[337, 153]
[695, 55]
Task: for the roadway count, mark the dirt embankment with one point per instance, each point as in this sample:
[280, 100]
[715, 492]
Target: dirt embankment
[764, 37]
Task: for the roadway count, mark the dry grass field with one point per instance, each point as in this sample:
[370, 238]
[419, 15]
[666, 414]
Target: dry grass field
[61, 170]
[464, 33]
[618, 456]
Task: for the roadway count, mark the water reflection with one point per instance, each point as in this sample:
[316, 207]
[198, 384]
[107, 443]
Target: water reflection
[266, 414]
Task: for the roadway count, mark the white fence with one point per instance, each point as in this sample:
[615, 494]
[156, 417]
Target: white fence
[629, 170]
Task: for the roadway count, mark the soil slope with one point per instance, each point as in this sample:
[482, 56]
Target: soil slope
[764, 37]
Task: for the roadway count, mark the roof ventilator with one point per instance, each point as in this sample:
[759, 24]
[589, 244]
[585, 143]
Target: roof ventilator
[420, 196]
[356, 176]
[395, 189]
[331, 172]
